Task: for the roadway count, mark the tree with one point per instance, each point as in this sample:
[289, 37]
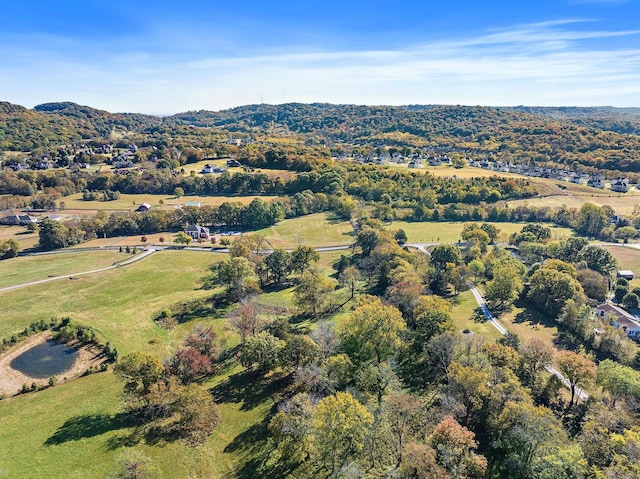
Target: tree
[492, 230]
[578, 370]
[505, 287]
[444, 254]
[404, 413]
[470, 387]
[598, 259]
[203, 339]
[521, 432]
[178, 192]
[349, 279]
[139, 370]
[454, 446]
[312, 292]
[54, 235]
[591, 220]
[238, 275]
[595, 285]
[621, 382]
[9, 249]
[630, 301]
[339, 426]
[477, 269]
[182, 238]
[400, 236]
[195, 413]
[372, 332]
[368, 238]
[246, 319]
[261, 352]
[302, 257]
[536, 355]
[187, 364]
[300, 350]
[278, 265]
[550, 290]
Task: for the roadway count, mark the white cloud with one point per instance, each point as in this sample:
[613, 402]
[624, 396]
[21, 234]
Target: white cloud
[548, 63]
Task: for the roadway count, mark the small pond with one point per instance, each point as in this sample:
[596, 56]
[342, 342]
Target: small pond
[45, 360]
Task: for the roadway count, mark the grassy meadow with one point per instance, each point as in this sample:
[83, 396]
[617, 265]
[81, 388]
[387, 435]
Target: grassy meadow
[32, 268]
[128, 202]
[78, 429]
[320, 229]
[448, 232]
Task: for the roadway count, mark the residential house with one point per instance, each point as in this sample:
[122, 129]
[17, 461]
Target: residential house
[22, 220]
[620, 319]
[596, 181]
[416, 163]
[621, 185]
[143, 207]
[197, 232]
[233, 163]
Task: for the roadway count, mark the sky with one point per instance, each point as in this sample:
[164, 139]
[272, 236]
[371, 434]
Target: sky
[165, 57]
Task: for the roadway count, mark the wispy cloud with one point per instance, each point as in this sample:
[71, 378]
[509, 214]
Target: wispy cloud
[559, 62]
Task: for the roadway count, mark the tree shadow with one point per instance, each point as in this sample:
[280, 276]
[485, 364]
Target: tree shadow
[80, 427]
[256, 453]
[533, 316]
[248, 389]
[200, 308]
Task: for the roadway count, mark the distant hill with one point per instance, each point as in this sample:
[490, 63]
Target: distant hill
[599, 137]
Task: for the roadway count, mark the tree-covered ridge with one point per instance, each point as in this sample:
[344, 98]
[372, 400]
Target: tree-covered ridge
[593, 137]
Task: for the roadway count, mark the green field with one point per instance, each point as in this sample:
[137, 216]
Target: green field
[31, 268]
[77, 429]
[118, 303]
[628, 258]
[131, 202]
[448, 232]
[320, 229]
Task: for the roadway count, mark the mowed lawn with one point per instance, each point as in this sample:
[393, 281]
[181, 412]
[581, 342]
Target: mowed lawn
[24, 269]
[448, 232]
[120, 303]
[464, 305]
[131, 202]
[320, 229]
[628, 258]
[24, 238]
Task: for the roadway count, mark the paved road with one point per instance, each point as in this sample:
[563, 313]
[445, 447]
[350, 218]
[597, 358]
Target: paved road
[502, 330]
[496, 324]
[139, 257]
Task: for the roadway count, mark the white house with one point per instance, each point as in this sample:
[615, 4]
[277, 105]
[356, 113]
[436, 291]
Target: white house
[621, 185]
[197, 232]
[596, 181]
[620, 319]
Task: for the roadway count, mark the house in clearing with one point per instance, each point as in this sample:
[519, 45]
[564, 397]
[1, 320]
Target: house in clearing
[22, 220]
[197, 232]
[143, 207]
[625, 273]
[620, 319]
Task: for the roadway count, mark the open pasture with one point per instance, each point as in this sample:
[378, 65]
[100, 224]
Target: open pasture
[449, 232]
[320, 229]
[23, 269]
[131, 202]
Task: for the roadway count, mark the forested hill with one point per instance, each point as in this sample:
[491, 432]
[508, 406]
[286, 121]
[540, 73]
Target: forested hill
[53, 124]
[601, 137]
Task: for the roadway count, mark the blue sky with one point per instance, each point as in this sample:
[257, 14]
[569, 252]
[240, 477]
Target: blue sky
[167, 56]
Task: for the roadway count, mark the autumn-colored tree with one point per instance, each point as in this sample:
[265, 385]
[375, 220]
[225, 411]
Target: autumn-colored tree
[312, 292]
[195, 414]
[578, 370]
[139, 370]
[187, 364]
[372, 333]
[339, 426]
[454, 446]
[246, 320]
[261, 352]
[535, 354]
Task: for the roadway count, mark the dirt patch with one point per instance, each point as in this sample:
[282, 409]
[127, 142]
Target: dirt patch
[11, 381]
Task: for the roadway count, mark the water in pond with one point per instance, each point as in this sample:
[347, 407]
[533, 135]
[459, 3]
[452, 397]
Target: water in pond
[45, 360]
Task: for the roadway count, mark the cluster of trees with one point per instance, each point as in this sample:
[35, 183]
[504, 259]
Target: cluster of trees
[9, 248]
[106, 195]
[169, 395]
